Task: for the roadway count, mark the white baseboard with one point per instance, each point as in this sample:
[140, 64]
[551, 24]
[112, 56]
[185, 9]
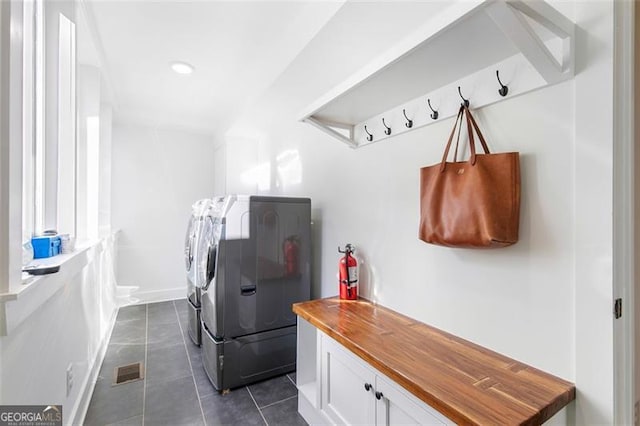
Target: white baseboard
[308, 411]
[82, 405]
[140, 297]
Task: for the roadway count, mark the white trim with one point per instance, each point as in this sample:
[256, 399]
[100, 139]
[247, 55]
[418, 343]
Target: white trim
[325, 127]
[39, 100]
[623, 210]
[516, 28]
[67, 148]
[79, 411]
[28, 119]
[142, 297]
[5, 107]
[10, 146]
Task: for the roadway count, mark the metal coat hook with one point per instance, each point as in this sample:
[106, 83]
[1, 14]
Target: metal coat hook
[503, 90]
[409, 123]
[387, 130]
[434, 113]
[464, 101]
[369, 135]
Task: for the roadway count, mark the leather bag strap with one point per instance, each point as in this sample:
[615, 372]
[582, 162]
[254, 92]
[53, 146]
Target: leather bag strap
[472, 142]
[471, 121]
[455, 153]
[453, 131]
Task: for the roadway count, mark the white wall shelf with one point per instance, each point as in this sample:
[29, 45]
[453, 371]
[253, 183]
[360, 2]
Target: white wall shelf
[531, 44]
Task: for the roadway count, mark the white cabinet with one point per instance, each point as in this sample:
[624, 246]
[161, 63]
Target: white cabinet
[347, 390]
[347, 385]
[397, 407]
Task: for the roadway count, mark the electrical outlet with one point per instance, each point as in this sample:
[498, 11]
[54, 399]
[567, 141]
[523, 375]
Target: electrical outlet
[69, 379]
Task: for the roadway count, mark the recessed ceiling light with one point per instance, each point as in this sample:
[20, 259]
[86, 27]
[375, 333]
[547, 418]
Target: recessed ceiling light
[182, 67]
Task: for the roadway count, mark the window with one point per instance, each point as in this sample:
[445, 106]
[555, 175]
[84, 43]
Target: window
[66, 138]
[38, 124]
[28, 131]
[33, 151]
[42, 206]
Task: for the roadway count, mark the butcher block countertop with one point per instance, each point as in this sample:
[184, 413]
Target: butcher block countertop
[466, 382]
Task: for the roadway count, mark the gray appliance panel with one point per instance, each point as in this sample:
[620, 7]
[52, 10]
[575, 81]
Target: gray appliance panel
[194, 294]
[249, 359]
[256, 282]
[194, 324]
[212, 350]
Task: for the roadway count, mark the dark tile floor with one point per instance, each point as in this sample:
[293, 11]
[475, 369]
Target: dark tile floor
[176, 390]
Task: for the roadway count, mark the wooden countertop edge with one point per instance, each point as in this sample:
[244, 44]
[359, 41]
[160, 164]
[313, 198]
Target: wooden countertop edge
[415, 389]
[403, 381]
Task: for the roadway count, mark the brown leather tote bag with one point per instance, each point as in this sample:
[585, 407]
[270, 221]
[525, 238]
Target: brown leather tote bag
[472, 204]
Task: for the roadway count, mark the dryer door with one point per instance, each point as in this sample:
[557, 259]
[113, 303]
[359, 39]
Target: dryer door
[207, 251]
[199, 212]
[188, 244]
[209, 263]
[193, 293]
[203, 244]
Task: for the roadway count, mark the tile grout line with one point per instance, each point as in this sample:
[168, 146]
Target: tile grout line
[277, 402]
[294, 383]
[146, 344]
[259, 410]
[193, 377]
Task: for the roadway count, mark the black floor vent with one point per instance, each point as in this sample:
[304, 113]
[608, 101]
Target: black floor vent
[128, 373]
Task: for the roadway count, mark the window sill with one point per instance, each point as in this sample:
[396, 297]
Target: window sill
[26, 298]
[72, 261]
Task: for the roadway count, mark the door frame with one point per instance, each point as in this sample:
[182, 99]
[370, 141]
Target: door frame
[624, 211]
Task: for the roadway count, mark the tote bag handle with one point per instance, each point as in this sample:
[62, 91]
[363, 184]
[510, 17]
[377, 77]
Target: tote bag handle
[471, 126]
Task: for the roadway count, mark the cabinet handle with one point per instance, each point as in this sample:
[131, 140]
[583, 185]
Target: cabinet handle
[379, 395]
[367, 387]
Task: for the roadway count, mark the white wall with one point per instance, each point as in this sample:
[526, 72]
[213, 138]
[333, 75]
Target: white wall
[546, 300]
[68, 328]
[156, 176]
[637, 211]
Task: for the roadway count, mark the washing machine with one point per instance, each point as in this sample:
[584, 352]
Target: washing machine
[195, 230]
[257, 265]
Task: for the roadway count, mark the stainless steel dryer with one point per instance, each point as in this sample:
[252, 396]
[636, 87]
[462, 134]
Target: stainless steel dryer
[200, 210]
[259, 265]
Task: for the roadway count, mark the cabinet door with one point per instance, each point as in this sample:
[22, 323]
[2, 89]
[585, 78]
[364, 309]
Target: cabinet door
[345, 399]
[397, 407]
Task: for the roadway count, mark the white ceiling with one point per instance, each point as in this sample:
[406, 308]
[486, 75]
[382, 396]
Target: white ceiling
[238, 48]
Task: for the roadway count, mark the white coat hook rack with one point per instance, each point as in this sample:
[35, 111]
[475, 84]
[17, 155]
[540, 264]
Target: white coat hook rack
[544, 55]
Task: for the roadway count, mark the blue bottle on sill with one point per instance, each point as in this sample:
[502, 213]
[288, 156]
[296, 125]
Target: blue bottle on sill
[45, 246]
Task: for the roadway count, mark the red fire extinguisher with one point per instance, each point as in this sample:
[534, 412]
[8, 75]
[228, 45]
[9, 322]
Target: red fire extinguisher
[291, 250]
[348, 273]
